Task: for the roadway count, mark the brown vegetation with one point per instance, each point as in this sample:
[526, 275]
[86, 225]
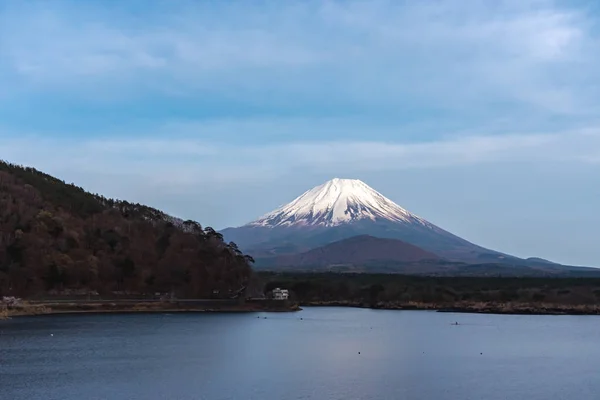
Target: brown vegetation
[141, 306]
[57, 237]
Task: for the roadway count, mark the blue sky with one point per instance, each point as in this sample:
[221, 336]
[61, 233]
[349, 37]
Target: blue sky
[482, 117]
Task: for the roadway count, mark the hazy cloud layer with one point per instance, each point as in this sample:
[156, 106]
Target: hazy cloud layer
[181, 163]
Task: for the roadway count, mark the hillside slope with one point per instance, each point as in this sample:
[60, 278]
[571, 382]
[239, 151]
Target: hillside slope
[359, 250]
[56, 236]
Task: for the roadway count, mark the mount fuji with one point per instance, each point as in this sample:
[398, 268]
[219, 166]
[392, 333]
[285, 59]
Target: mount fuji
[342, 208]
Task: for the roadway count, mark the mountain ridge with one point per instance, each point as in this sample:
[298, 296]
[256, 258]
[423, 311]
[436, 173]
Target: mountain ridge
[357, 255]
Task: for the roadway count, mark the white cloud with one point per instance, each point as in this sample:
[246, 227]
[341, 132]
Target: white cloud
[181, 161]
[149, 147]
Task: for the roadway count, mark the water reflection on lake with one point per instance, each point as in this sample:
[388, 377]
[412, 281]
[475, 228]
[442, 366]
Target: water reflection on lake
[313, 354]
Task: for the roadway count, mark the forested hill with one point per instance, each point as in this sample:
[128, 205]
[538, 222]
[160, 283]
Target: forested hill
[58, 237]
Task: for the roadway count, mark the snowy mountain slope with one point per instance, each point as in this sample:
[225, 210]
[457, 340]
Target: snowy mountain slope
[343, 208]
[336, 202]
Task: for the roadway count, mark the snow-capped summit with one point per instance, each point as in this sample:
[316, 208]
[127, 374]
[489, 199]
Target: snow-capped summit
[337, 202]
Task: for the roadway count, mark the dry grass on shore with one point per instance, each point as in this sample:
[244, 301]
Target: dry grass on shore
[25, 308]
[527, 308]
[474, 307]
[77, 307]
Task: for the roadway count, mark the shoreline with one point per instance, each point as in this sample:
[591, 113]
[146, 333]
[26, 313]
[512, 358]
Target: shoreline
[108, 307]
[141, 307]
[471, 308]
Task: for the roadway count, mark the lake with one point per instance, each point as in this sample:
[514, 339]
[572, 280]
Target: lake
[312, 354]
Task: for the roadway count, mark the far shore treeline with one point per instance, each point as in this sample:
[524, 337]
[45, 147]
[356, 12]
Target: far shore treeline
[391, 290]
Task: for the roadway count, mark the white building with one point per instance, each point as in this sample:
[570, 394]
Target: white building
[280, 294]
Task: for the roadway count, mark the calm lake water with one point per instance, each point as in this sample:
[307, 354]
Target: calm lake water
[403, 355]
